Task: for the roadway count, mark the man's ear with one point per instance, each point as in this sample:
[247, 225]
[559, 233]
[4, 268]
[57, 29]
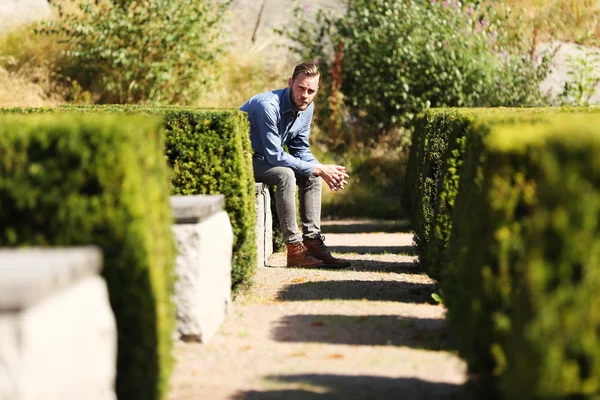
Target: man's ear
[290, 81]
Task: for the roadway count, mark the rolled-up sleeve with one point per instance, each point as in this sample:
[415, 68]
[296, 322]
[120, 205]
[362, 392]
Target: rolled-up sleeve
[265, 117]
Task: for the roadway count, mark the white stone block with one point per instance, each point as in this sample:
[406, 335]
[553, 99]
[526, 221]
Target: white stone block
[268, 226]
[264, 224]
[203, 269]
[58, 338]
[259, 226]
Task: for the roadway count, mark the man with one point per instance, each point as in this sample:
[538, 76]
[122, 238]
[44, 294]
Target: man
[282, 118]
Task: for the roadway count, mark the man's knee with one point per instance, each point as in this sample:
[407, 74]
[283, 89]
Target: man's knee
[315, 180]
[285, 176]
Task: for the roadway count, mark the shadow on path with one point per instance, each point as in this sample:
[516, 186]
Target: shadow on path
[360, 387]
[366, 226]
[400, 267]
[408, 250]
[367, 330]
[362, 265]
[404, 292]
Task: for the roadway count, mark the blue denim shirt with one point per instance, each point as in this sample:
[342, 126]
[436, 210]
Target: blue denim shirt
[273, 124]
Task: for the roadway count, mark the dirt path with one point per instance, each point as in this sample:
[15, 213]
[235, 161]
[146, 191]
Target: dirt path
[368, 332]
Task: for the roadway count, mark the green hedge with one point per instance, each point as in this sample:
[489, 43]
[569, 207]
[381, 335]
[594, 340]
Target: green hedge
[522, 281]
[209, 152]
[430, 155]
[433, 171]
[79, 180]
[454, 126]
[410, 191]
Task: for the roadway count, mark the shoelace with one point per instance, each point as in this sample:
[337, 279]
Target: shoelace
[303, 248]
[321, 245]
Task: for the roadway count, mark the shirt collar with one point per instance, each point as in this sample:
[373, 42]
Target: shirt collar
[286, 104]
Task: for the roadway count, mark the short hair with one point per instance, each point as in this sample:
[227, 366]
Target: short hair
[309, 69]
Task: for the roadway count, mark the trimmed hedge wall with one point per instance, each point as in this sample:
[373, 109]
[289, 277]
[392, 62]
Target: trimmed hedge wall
[410, 191]
[524, 249]
[209, 152]
[455, 126]
[432, 140]
[79, 180]
[435, 160]
[513, 237]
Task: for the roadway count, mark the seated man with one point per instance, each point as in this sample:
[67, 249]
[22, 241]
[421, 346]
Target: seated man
[283, 117]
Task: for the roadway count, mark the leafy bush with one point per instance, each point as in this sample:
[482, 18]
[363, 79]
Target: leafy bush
[376, 178]
[145, 51]
[78, 180]
[402, 57]
[583, 79]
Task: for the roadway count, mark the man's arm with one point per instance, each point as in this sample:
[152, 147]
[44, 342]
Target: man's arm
[334, 175]
[265, 116]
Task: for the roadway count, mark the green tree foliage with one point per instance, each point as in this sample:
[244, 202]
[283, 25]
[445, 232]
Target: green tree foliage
[143, 51]
[402, 57]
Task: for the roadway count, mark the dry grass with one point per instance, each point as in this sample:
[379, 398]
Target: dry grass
[28, 69]
[28, 88]
[244, 73]
[30, 66]
[567, 20]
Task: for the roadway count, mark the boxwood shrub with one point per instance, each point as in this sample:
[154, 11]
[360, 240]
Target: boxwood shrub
[77, 180]
[410, 191]
[453, 127]
[209, 152]
[522, 279]
[435, 162]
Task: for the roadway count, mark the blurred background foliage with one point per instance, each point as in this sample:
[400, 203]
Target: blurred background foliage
[382, 63]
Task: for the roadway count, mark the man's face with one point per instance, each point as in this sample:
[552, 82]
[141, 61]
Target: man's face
[304, 89]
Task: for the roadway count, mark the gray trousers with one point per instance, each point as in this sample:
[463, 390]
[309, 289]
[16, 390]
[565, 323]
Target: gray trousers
[285, 199]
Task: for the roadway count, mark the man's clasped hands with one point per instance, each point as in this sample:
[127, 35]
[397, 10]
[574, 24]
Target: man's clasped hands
[334, 175]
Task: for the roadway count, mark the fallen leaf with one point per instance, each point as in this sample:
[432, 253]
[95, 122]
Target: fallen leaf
[246, 348]
[318, 324]
[302, 354]
[335, 356]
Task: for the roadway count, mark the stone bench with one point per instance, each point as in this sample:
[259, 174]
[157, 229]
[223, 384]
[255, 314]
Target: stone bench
[204, 241]
[58, 336]
[264, 224]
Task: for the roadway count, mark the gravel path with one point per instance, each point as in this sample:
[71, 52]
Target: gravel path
[368, 332]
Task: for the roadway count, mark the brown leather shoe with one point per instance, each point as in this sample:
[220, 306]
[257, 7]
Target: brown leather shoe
[297, 256]
[317, 249]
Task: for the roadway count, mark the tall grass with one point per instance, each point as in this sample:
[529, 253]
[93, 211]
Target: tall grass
[246, 72]
[28, 87]
[30, 69]
[543, 20]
